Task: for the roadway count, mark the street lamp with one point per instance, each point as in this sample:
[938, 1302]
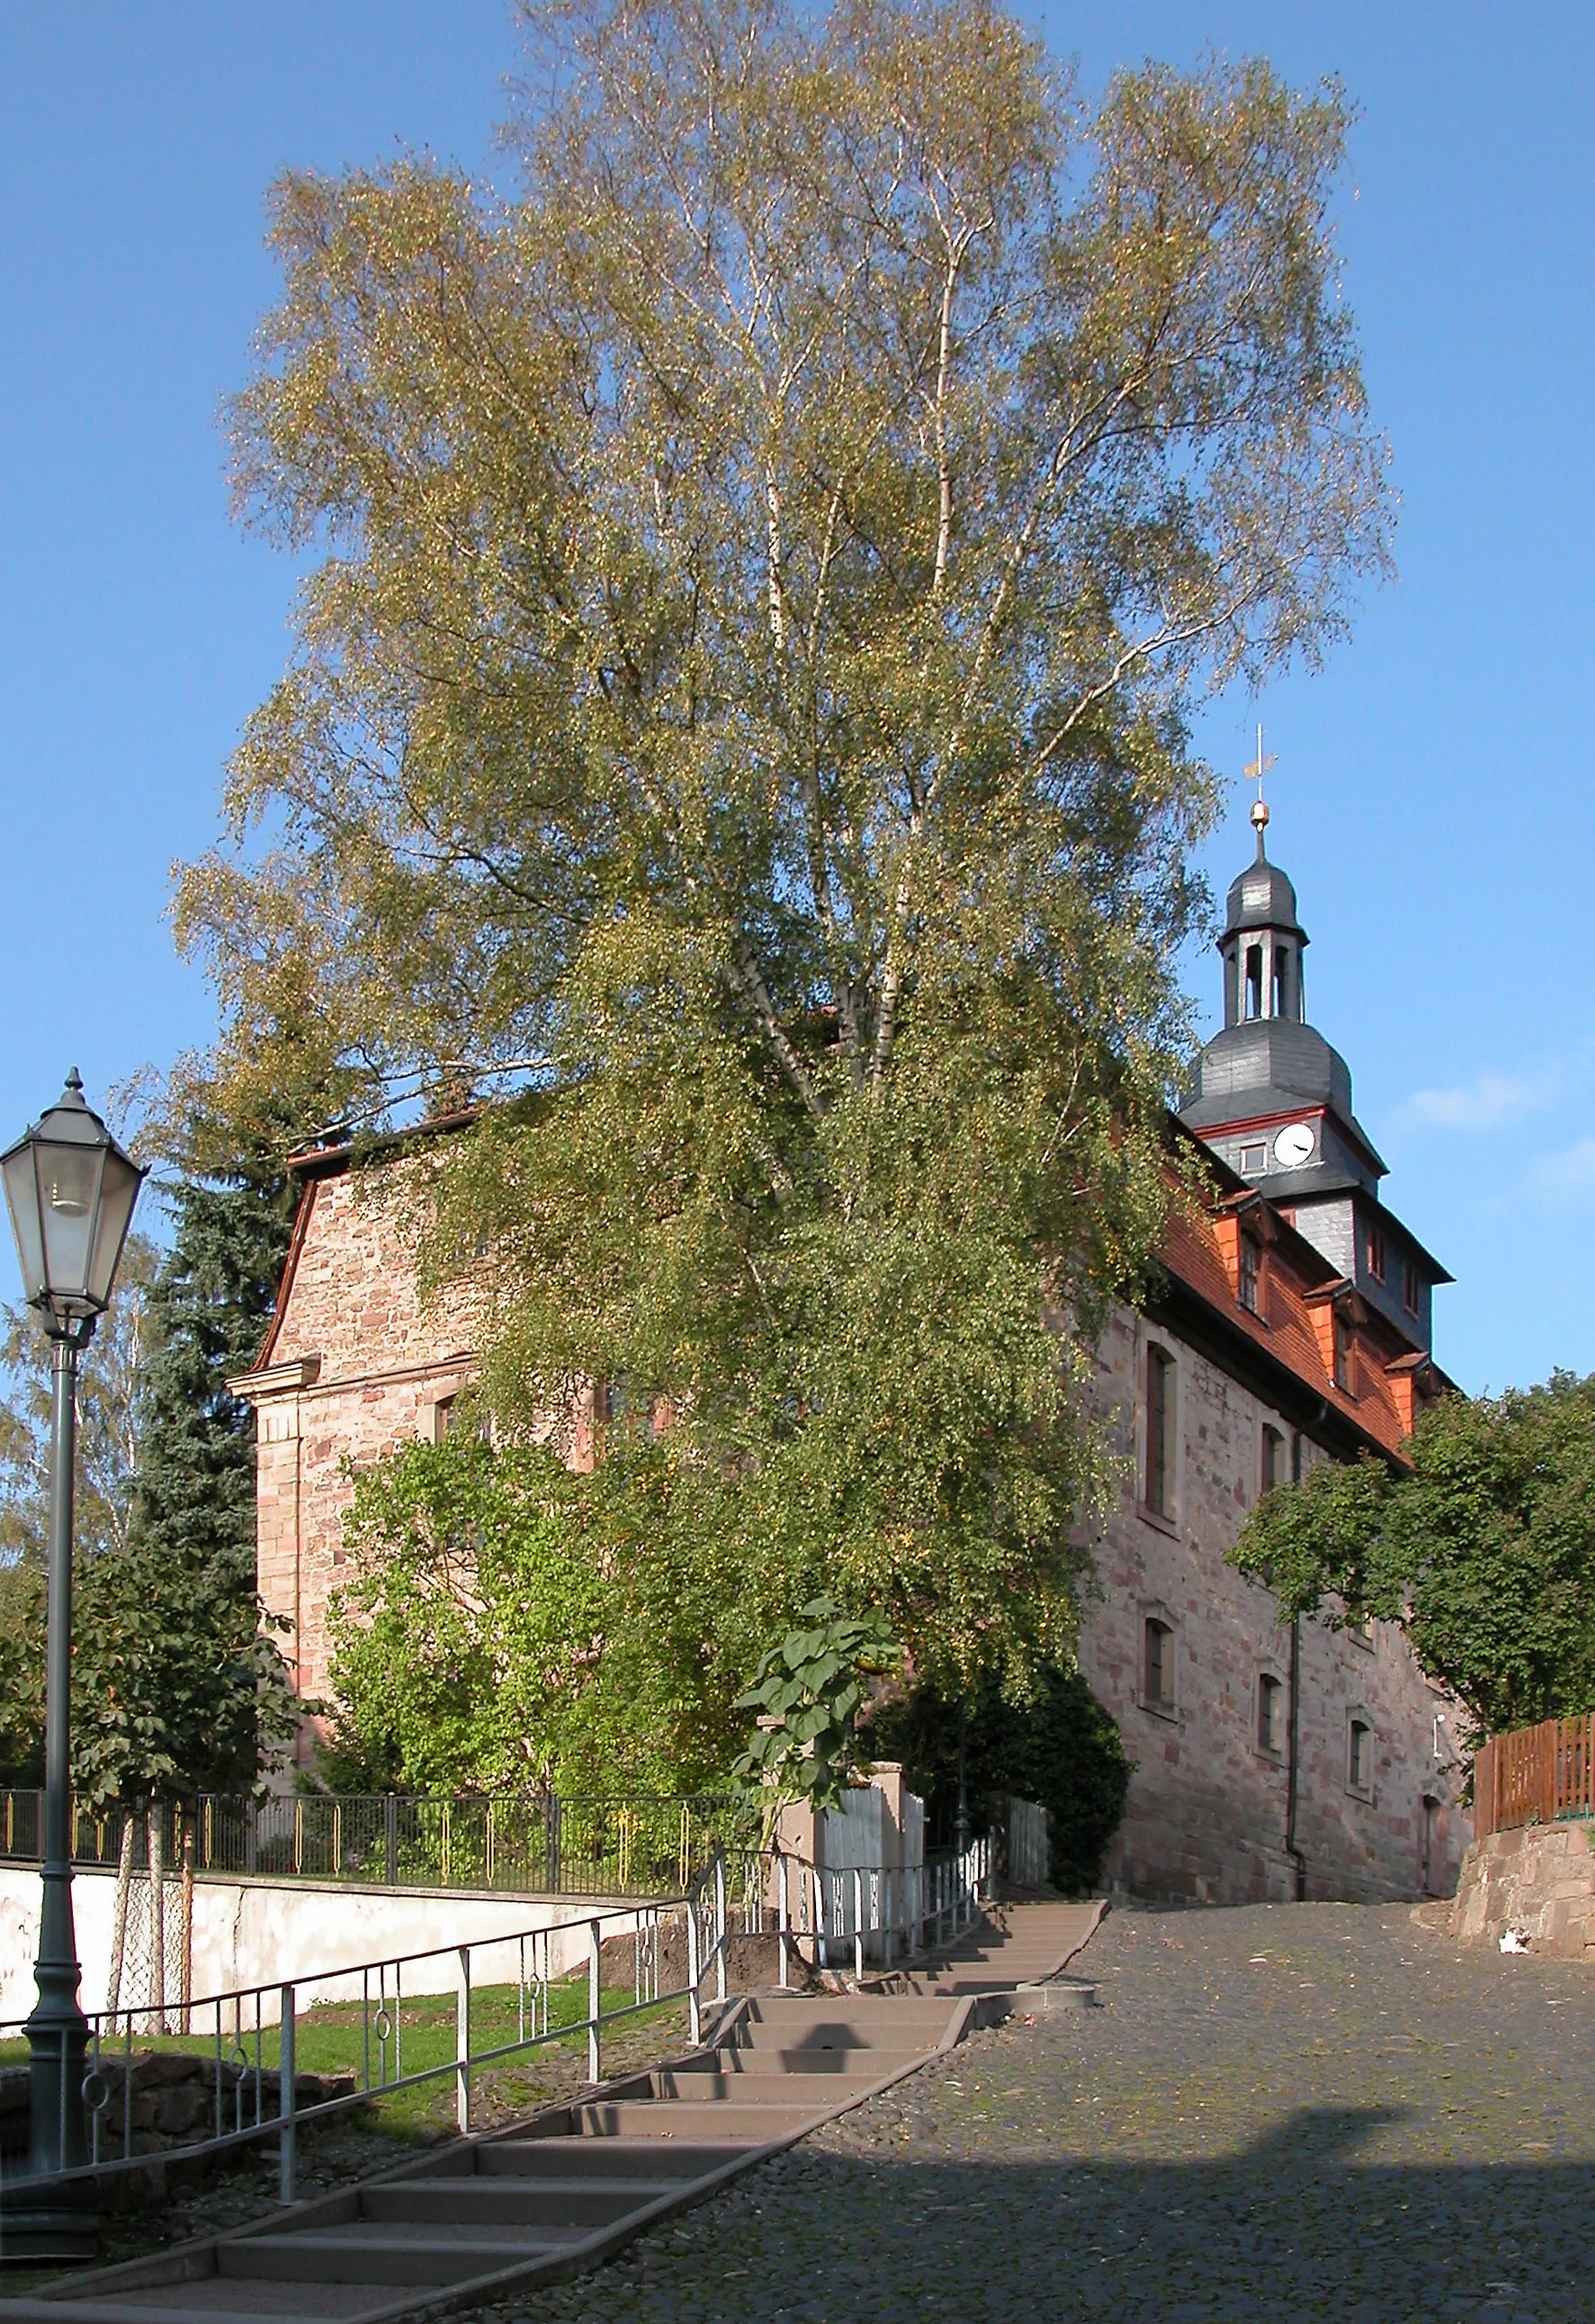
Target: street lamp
[70, 1191]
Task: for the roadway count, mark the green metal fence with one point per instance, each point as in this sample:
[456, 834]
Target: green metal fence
[537, 1844]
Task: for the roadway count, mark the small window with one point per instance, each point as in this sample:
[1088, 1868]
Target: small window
[1248, 1289]
[1281, 981]
[1409, 1286]
[1359, 1756]
[1273, 1459]
[1254, 1160]
[1158, 1664]
[1376, 1250]
[1254, 979]
[1362, 1634]
[1342, 1353]
[1158, 1495]
[1271, 1715]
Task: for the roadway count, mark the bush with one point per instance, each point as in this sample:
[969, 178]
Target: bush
[1061, 1748]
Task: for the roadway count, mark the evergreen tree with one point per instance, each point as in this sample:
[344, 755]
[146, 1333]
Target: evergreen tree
[203, 1690]
[212, 1303]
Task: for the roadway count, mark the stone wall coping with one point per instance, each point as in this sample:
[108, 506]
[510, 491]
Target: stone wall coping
[276, 1380]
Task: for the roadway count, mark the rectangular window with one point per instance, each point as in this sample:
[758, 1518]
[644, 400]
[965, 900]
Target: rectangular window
[1359, 1756]
[1342, 1354]
[1160, 1663]
[1249, 1256]
[1271, 1715]
[1159, 1431]
[1254, 1159]
[1375, 1251]
[1273, 1459]
[1409, 1286]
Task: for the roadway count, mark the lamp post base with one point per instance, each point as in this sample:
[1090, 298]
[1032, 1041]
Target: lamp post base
[40, 2222]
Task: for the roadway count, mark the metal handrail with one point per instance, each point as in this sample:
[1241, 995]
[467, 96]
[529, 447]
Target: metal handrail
[247, 2012]
[940, 1897]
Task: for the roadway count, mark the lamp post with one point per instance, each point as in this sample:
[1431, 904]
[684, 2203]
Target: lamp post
[70, 1191]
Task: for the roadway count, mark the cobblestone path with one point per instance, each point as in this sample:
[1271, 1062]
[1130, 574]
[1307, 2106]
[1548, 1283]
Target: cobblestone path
[1319, 2111]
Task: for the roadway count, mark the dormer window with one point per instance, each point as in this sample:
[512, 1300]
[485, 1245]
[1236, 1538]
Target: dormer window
[1342, 1353]
[1254, 981]
[1376, 1250]
[1247, 1285]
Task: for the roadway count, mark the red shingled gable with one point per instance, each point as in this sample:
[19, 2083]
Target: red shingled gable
[1296, 1289]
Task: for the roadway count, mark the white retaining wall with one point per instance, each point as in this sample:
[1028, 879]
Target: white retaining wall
[256, 1932]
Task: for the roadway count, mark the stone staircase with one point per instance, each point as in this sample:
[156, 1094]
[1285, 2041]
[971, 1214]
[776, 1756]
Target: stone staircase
[503, 2212]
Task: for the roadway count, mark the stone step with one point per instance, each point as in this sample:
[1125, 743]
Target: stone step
[747, 2121]
[867, 2065]
[849, 2009]
[519, 2201]
[387, 2254]
[786, 2061]
[693, 2087]
[210, 2302]
[619, 2157]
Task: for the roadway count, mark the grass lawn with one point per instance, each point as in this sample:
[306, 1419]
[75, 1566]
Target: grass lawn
[345, 2038]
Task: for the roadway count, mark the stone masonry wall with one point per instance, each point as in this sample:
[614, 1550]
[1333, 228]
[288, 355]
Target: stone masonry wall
[1206, 1813]
[358, 1366]
[1537, 1882]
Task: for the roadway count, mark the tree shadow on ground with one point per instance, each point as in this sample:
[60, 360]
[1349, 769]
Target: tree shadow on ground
[1304, 2222]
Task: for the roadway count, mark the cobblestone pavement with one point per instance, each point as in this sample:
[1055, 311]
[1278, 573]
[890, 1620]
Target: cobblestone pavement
[1281, 2112]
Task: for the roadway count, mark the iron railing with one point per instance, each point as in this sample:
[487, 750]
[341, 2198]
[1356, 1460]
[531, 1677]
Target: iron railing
[247, 2040]
[853, 1915]
[541, 1845]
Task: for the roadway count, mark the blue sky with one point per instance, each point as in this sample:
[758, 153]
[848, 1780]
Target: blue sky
[1429, 799]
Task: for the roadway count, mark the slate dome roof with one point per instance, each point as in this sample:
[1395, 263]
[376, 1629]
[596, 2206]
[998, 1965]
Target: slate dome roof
[1269, 1064]
[1262, 897]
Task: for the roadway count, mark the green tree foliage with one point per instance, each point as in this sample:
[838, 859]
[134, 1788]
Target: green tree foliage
[1484, 1553]
[1057, 1745]
[507, 1624]
[765, 570]
[113, 1388]
[113, 1402]
[806, 1700]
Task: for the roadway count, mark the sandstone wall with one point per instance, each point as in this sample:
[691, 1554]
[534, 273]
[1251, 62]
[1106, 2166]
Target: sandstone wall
[1538, 1882]
[1206, 1813]
[358, 1366]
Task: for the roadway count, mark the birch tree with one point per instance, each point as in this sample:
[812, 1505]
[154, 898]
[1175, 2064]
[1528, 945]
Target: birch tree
[761, 573]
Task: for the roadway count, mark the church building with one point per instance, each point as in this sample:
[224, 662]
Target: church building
[1291, 1324]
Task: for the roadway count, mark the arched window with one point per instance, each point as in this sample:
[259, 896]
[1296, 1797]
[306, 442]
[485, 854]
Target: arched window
[1282, 981]
[1254, 979]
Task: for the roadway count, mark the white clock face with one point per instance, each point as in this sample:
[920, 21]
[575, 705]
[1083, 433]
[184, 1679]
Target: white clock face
[1294, 1145]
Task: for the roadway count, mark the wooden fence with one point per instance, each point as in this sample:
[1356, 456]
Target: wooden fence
[1539, 1774]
